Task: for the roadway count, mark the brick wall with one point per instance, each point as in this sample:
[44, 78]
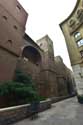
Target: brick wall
[7, 65]
[15, 9]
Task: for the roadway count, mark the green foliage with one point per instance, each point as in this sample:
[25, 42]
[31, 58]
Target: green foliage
[20, 90]
[22, 77]
[42, 98]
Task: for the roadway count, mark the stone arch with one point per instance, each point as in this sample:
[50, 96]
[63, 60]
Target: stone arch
[31, 54]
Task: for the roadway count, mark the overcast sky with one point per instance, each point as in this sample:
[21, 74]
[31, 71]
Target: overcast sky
[44, 18]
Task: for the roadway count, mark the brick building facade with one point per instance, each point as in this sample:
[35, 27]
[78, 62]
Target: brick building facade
[12, 28]
[17, 49]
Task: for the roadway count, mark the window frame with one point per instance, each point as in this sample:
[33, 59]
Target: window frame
[77, 35]
[80, 42]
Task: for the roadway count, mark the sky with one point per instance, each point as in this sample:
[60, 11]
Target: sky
[44, 18]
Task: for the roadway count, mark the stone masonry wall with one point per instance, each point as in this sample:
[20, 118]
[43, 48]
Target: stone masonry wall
[14, 114]
[7, 65]
[78, 74]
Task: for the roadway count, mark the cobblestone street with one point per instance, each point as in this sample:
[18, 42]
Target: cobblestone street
[68, 112]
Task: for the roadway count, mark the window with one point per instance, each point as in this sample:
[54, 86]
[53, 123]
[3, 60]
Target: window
[80, 43]
[81, 52]
[10, 42]
[15, 27]
[80, 15]
[18, 7]
[4, 17]
[72, 23]
[77, 35]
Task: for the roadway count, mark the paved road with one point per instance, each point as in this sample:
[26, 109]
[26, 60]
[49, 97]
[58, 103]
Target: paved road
[68, 112]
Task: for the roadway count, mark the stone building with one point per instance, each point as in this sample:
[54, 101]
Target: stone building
[12, 28]
[18, 50]
[37, 60]
[72, 29]
[50, 74]
[64, 77]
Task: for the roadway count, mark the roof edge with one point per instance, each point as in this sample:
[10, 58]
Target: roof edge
[77, 3]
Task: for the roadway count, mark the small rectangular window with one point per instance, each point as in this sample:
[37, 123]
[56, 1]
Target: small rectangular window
[81, 52]
[15, 27]
[4, 17]
[18, 7]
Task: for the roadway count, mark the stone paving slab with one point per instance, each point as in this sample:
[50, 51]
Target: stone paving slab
[68, 112]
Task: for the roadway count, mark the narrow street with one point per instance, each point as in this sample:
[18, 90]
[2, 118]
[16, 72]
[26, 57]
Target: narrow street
[68, 112]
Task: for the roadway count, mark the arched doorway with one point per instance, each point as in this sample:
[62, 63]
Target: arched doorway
[31, 54]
